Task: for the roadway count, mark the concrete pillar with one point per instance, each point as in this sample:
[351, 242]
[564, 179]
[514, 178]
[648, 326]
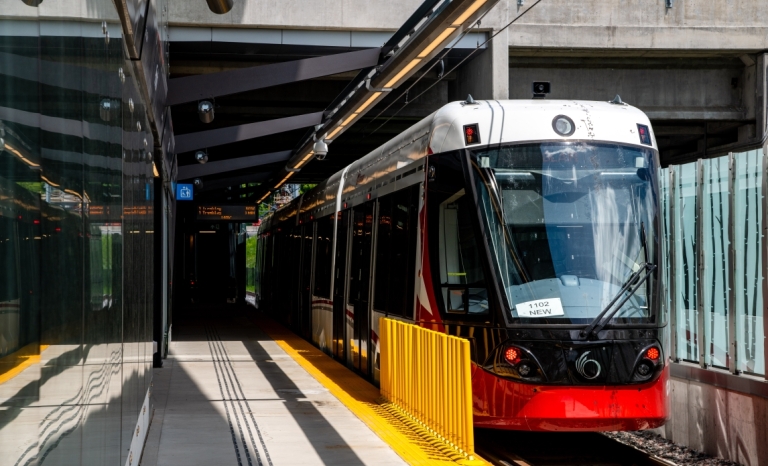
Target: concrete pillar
[486, 76]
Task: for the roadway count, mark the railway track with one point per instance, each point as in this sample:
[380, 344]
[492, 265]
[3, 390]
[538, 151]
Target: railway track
[514, 448]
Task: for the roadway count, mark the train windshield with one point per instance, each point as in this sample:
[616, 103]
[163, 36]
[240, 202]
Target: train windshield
[572, 227]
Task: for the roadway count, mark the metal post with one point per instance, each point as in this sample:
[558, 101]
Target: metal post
[700, 321]
[733, 356]
[672, 264]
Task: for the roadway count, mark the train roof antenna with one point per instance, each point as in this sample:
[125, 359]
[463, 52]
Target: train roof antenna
[470, 100]
[617, 100]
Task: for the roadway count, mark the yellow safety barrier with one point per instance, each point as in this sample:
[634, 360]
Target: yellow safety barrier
[427, 375]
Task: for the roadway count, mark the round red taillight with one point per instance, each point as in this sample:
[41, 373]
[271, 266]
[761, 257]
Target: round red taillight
[652, 354]
[512, 355]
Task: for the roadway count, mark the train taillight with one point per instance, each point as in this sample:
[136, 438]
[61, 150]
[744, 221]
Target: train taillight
[652, 354]
[512, 355]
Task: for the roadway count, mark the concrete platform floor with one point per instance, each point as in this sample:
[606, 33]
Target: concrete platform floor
[229, 395]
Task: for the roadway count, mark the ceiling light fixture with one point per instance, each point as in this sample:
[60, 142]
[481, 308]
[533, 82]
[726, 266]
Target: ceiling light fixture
[439, 40]
[403, 72]
[469, 12]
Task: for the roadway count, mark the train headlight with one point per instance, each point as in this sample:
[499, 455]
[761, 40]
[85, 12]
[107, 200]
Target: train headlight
[524, 370]
[563, 125]
[648, 363]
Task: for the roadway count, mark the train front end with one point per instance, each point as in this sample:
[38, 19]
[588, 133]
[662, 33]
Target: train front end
[567, 202]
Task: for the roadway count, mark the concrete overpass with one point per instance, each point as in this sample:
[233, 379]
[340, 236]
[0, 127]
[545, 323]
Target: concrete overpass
[697, 69]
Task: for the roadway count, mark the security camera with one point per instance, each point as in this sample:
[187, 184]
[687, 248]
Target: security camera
[201, 156]
[32, 2]
[220, 6]
[320, 149]
[105, 107]
[541, 89]
[205, 111]
[198, 183]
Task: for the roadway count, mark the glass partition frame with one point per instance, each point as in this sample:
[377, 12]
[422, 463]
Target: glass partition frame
[728, 278]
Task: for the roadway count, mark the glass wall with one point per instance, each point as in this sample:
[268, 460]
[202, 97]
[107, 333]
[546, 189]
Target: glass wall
[76, 228]
[713, 214]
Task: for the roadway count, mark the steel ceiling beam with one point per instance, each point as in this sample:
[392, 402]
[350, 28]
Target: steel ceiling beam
[198, 170]
[206, 86]
[436, 23]
[217, 137]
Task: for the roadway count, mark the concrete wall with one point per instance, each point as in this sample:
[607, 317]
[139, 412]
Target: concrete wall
[663, 93]
[626, 24]
[718, 421]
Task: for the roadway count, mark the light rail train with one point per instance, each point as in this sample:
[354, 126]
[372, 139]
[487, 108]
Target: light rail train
[531, 228]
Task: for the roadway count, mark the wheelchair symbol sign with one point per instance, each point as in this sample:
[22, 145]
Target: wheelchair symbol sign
[184, 192]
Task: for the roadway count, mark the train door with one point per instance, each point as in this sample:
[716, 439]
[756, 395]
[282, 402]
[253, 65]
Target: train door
[339, 284]
[359, 285]
[295, 240]
[305, 295]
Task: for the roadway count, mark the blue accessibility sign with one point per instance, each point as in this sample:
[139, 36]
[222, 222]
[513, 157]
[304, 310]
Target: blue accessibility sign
[184, 192]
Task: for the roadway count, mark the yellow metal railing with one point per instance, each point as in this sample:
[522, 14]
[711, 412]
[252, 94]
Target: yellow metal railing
[427, 374]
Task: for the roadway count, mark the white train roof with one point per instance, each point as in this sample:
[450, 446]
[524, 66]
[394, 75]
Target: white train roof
[499, 122]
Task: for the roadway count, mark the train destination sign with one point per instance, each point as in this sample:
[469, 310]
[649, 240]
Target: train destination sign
[227, 213]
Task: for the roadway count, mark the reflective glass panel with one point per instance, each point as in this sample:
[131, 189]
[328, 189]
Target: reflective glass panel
[747, 271]
[686, 270]
[715, 221]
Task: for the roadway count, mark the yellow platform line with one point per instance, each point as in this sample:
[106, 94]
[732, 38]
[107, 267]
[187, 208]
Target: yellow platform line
[358, 395]
[25, 361]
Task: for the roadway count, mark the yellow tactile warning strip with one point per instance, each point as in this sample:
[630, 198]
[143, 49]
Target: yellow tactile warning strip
[21, 363]
[363, 399]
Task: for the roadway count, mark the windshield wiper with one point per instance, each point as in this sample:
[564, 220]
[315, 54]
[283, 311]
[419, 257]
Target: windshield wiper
[634, 283]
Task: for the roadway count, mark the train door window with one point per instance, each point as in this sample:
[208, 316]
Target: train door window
[340, 285]
[383, 246]
[360, 270]
[403, 253]
[304, 288]
[462, 278]
[294, 272]
[323, 258]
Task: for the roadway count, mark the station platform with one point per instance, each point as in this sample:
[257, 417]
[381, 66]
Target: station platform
[239, 389]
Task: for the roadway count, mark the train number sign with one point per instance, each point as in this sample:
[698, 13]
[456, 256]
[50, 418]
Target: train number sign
[540, 308]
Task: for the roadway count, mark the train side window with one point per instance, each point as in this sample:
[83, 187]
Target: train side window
[323, 258]
[462, 279]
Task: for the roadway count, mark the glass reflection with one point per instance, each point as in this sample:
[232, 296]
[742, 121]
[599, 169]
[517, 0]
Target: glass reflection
[75, 322]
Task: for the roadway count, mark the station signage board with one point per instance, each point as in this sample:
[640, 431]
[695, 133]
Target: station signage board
[185, 192]
[227, 213]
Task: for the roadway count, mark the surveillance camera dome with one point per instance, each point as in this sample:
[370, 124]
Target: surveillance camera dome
[220, 6]
[201, 156]
[205, 111]
[320, 149]
[198, 183]
[105, 106]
